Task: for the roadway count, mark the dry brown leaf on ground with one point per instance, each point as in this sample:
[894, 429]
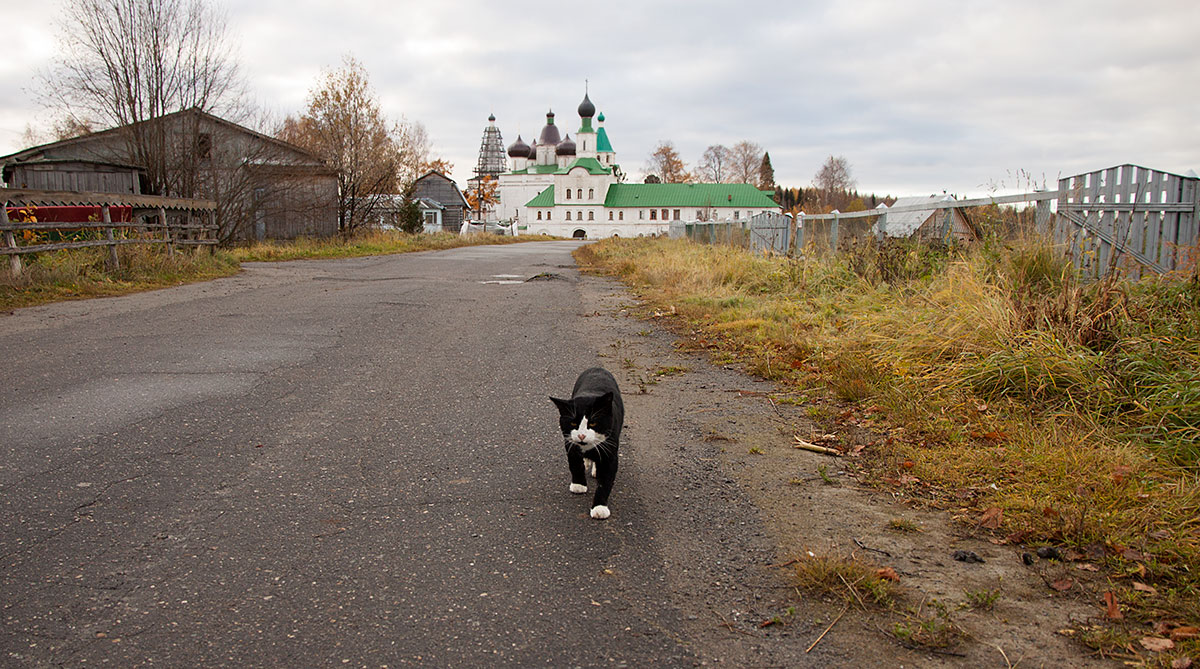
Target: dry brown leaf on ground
[1157, 644]
[992, 518]
[1113, 611]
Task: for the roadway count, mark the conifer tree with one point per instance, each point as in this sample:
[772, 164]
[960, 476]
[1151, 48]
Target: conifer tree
[766, 173]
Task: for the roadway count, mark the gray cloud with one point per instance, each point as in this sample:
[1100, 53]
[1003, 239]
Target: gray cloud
[920, 96]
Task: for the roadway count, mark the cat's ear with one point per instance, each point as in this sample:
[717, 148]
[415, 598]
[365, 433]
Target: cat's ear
[564, 406]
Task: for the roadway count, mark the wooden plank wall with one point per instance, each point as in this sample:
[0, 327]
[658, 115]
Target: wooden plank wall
[1128, 219]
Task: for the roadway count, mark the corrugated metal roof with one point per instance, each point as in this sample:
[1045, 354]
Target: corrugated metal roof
[687, 195]
[904, 223]
[674, 195]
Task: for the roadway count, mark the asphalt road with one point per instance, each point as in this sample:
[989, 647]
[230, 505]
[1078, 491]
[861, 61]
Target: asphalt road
[350, 463]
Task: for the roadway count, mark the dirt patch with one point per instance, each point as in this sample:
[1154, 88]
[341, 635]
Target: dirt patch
[727, 436]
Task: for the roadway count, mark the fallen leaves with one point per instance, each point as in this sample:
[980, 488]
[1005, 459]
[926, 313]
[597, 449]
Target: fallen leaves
[1063, 584]
[887, 574]
[1112, 609]
[1142, 587]
[992, 518]
[1156, 644]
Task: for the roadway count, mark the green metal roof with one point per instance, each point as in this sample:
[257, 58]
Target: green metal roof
[602, 143]
[687, 195]
[592, 165]
[543, 199]
[674, 195]
[538, 169]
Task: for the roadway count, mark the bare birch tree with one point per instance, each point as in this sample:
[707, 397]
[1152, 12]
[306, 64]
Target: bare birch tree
[714, 164]
[128, 61]
[745, 158]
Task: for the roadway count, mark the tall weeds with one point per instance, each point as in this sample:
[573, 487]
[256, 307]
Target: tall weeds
[1073, 406]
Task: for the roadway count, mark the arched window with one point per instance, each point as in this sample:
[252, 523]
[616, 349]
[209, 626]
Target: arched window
[610, 215]
[579, 215]
[539, 215]
[620, 215]
[591, 215]
[568, 193]
[568, 215]
[591, 193]
[579, 194]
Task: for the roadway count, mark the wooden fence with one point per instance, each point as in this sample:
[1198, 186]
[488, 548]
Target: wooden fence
[154, 220]
[1129, 219]
[1125, 220]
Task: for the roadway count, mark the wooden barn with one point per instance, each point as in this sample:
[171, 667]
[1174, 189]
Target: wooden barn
[435, 188]
[265, 188]
[927, 224]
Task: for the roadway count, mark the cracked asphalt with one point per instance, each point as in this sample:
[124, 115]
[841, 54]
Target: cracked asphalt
[355, 463]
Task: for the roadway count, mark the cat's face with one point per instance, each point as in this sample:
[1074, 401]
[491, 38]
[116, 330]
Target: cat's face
[585, 421]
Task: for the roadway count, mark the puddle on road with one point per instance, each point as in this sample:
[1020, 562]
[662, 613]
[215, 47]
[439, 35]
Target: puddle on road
[504, 279]
[516, 278]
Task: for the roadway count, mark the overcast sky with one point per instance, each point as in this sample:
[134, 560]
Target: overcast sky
[920, 96]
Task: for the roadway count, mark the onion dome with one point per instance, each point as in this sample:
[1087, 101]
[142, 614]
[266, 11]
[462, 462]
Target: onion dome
[492, 118]
[600, 118]
[549, 131]
[566, 147]
[519, 149]
[586, 108]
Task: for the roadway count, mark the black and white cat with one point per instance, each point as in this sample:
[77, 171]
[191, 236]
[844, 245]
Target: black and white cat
[591, 426]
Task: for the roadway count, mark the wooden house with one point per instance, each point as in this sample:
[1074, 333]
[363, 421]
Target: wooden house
[265, 188]
[435, 188]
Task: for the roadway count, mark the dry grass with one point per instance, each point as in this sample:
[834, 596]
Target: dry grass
[81, 274]
[1075, 408]
[368, 244]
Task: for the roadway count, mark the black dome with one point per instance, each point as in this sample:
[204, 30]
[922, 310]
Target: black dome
[519, 149]
[566, 147]
[586, 108]
[492, 117]
[550, 131]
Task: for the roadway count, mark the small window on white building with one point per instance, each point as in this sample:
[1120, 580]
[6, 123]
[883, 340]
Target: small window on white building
[591, 215]
[737, 215]
[641, 214]
[539, 215]
[568, 193]
[548, 214]
[591, 193]
[654, 214]
[620, 215]
[579, 194]
[579, 215]
[675, 215]
[664, 212]
[568, 215]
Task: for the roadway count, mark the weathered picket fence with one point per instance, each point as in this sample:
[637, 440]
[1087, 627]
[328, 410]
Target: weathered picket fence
[1129, 219]
[152, 220]
[1125, 220]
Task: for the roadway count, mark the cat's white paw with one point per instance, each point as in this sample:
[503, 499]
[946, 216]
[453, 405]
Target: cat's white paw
[600, 512]
[590, 466]
[578, 489]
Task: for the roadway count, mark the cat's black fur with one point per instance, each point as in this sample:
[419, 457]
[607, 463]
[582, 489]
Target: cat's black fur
[597, 398]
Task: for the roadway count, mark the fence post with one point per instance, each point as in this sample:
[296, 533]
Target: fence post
[1041, 218]
[14, 260]
[881, 227]
[833, 232]
[212, 223]
[162, 219]
[112, 263]
[798, 240]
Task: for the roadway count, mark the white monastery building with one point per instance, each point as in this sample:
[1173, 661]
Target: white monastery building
[573, 188]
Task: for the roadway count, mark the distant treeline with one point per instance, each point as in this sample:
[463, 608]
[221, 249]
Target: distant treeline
[819, 201]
